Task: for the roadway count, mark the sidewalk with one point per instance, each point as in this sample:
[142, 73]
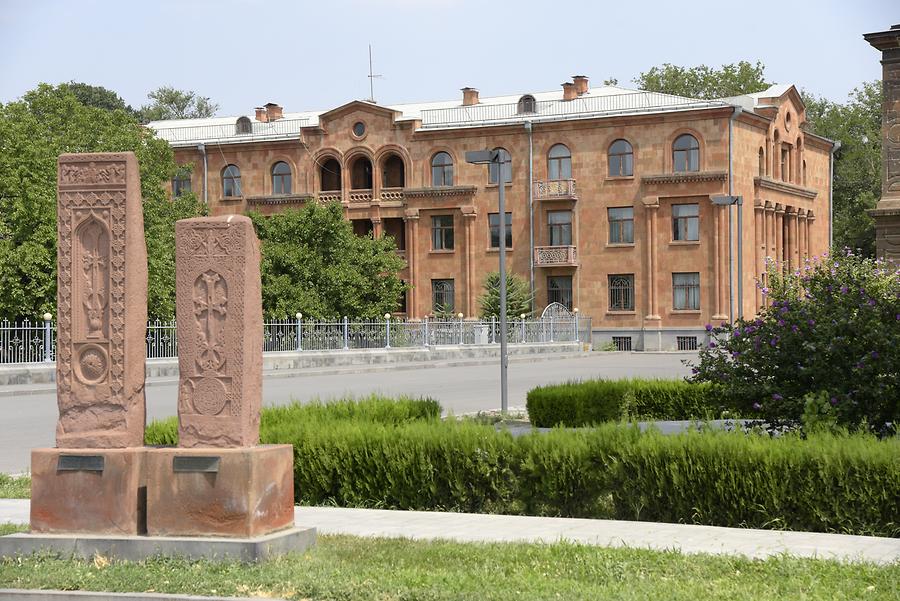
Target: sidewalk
[467, 527]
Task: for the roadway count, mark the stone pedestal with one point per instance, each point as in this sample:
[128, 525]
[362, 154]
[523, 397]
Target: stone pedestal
[237, 492]
[98, 491]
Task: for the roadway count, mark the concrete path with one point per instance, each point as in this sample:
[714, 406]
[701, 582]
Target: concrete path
[30, 420]
[467, 527]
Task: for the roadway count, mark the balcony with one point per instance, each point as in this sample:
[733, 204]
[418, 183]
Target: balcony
[392, 194]
[560, 189]
[329, 196]
[555, 256]
[360, 196]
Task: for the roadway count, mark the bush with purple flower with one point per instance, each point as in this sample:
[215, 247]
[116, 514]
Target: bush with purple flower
[833, 333]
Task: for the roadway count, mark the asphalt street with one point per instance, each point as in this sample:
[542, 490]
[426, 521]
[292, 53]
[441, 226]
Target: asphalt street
[29, 420]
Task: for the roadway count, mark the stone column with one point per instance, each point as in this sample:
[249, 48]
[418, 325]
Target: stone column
[377, 227]
[411, 219]
[651, 210]
[887, 212]
[779, 235]
[759, 252]
[720, 259]
[802, 237]
[468, 215]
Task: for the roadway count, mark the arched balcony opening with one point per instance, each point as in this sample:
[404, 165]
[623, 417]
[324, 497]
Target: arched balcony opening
[361, 174]
[330, 175]
[393, 172]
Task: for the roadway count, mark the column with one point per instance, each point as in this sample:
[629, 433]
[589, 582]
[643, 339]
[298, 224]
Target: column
[720, 255]
[411, 220]
[377, 229]
[468, 214]
[759, 251]
[795, 239]
[779, 235]
[801, 236]
[651, 210]
[810, 218]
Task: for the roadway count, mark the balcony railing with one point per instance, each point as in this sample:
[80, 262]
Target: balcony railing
[560, 189]
[190, 134]
[551, 256]
[392, 194]
[329, 196]
[360, 196]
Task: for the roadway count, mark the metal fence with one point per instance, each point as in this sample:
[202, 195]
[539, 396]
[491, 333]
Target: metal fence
[28, 342]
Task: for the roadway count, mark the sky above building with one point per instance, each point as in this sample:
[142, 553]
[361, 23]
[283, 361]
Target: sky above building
[314, 55]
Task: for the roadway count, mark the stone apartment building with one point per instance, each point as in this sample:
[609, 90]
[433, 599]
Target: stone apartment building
[613, 196]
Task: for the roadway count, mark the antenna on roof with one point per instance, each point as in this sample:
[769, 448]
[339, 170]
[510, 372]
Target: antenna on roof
[372, 78]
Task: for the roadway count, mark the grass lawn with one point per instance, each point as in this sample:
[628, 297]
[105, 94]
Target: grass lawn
[350, 568]
[15, 487]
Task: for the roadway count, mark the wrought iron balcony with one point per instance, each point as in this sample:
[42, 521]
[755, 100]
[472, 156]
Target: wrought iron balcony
[559, 189]
[554, 256]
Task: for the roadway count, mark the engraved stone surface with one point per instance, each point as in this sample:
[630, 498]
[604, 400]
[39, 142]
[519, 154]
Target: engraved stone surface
[219, 309]
[102, 302]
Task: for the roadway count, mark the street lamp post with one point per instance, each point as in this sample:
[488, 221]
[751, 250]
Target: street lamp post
[488, 157]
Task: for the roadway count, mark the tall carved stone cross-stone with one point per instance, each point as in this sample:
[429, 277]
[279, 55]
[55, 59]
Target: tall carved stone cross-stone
[219, 307]
[887, 212]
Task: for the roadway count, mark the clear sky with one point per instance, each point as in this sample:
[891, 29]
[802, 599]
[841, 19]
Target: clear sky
[312, 55]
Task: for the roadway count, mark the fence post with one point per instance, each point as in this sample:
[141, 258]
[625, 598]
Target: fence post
[300, 332]
[551, 328]
[346, 333]
[425, 337]
[493, 331]
[387, 329]
[523, 327]
[576, 324]
[47, 343]
[460, 316]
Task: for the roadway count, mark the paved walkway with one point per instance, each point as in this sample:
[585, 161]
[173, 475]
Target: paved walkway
[467, 527]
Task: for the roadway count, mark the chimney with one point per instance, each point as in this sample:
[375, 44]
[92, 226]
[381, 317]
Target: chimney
[261, 115]
[273, 111]
[470, 96]
[581, 83]
[569, 92]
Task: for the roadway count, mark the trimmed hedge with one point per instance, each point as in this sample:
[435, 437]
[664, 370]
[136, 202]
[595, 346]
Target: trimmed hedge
[380, 453]
[592, 402]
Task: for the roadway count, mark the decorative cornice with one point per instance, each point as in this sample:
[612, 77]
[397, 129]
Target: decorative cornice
[687, 177]
[280, 199]
[773, 184]
[439, 192]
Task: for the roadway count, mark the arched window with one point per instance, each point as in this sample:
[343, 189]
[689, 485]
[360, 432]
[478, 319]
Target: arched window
[621, 159]
[441, 170]
[804, 172]
[281, 178]
[243, 126]
[393, 172]
[527, 104]
[559, 162]
[231, 181]
[330, 175]
[686, 153]
[361, 174]
[762, 162]
[505, 167]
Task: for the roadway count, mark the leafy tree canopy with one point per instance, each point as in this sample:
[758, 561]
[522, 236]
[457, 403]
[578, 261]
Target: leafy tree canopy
[314, 264]
[97, 97]
[169, 103]
[705, 82]
[34, 131]
[518, 296]
[857, 166]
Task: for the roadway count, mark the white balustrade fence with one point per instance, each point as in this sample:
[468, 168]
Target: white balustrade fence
[32, 342]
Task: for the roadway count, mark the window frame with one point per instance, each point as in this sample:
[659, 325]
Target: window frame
[559, 229]
[505, 168]
[561, 164]
[625, 159]
[495, 228]
[445, 169]
[690, 290]
[280, 179]
[685, 220]
[616, 225]
[691, 154]
[181, 182]
[451, 285]
[560, 292]
[442, 234]
[621, 298]
[228, 175]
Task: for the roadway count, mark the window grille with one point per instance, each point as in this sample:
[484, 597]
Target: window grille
[442, 297]
[623, 343]
[686, 343]
[559, 290]
[621, 292]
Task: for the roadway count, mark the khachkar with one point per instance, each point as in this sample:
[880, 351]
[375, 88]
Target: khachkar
[887, 211]
[219, 481]
[92, 481]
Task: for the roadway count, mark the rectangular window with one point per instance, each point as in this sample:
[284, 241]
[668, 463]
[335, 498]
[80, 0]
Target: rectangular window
[686, 343]
[494, 222]
[181, 183]
[401, 302]
[442, 232]
[442, 297]
[559, 290]
[686, 222]
[686, 291]
[621, 225]
[785, 163]
[560, 226]
[621, 292]
[623, 343]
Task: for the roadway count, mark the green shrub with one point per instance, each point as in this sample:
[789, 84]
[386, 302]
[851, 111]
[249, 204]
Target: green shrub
[596, 401]
[366, 455]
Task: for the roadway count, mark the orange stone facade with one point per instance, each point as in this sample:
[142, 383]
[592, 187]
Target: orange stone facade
[387, 187]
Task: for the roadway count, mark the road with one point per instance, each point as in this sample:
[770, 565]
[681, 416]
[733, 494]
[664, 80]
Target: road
[29, 420]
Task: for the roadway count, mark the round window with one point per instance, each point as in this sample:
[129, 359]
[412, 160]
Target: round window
[359, 129]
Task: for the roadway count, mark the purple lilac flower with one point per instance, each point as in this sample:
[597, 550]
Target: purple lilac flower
[844, 290]
[709, 327]
[777, 397]
[784, 309]
[872, 302]
[774, 341]
[694, 370]
[735, 354]
[834, 401]
[757, 406]
[874, 354]
[795, 329]
[812, 322]
[712, 345]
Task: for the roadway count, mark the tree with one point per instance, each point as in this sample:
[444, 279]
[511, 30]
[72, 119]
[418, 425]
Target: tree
[49, 121]
[705, 82]
[518, 296]
[312, 263]
[97, 97]
[169, 103]
[857, 165]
